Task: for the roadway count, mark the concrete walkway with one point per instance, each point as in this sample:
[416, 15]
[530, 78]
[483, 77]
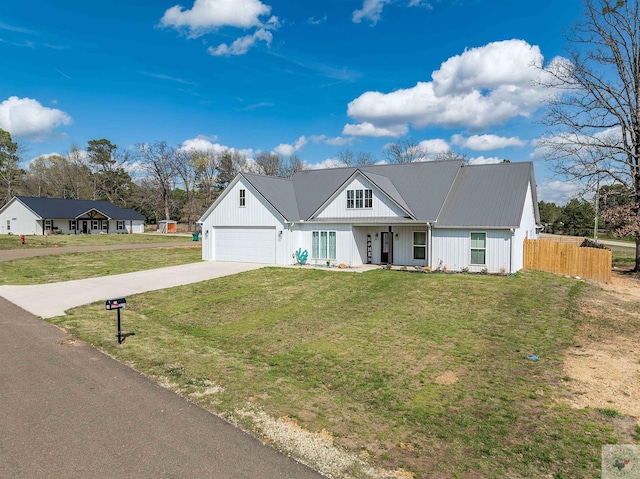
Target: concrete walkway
[50, 300]
[69, 411]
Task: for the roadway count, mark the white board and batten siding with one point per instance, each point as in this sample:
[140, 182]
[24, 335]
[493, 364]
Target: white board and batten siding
[452, 250]
[402, 246]
[346, 250]
[17, 219]
[254, 233]
[382, 206]
[527, 230]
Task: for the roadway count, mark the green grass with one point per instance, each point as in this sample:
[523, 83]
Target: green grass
[66, 267]
[56, 241]
[428, 373]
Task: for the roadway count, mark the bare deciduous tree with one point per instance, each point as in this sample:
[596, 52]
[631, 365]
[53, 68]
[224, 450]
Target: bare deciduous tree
[404, 151]
[349, 158]
[595, 122]
[158, 160]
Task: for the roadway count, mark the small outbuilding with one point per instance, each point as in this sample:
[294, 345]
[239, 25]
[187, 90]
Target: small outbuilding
[167, 226]
[27, 215]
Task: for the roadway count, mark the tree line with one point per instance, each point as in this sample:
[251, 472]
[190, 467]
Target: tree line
[578, 216]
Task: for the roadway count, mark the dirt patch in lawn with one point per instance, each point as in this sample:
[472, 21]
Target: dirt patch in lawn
[604, 363]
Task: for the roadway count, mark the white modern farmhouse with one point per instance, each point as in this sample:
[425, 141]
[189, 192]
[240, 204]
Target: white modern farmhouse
[27, 215]
[442, 214]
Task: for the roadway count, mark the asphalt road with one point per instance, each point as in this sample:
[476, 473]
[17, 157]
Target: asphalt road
[69, 411]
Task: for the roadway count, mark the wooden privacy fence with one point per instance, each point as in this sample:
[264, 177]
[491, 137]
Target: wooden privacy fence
[568, 259]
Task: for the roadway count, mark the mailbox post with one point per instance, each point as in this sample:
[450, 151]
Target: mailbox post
[118, 304]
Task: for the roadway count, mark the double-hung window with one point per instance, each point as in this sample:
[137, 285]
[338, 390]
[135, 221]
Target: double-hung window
[358, 199]
[120, 224]
[73, 225]
[419, 245]
[48, 225]
[368, 198]
[243, 197]
[8, 225]
[479, 248]
[105, 225]
[323, 245]
[94, 225]
[350, 199]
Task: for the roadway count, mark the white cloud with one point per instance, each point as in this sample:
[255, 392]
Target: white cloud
[486, 142]
[481, 87]
[328, 163]
[317, 138]
[201, 143]
[206, 15]
[559, 192]
[481, 160]
[433, 147]
[316, 21]
[339, 141]
[371, 10]
[242, 44]
[369, 129]
[285, 149]
[28, 118]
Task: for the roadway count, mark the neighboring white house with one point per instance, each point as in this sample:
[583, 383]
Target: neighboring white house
[27, 215]
[442, 214]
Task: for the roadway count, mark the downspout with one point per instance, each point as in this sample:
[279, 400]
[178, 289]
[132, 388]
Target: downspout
[513, 231]
[430, 245]
[44, 220]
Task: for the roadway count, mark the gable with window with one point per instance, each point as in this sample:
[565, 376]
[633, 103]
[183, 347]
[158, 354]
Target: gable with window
[359, 199]
[479, 248]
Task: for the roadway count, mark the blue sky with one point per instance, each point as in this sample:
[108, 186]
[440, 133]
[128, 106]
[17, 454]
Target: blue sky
[306, 78]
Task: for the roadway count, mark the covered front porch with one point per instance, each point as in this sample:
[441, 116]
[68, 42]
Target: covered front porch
[394, 243]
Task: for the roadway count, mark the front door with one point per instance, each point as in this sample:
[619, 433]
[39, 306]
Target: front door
[85, 227]
[386, 253]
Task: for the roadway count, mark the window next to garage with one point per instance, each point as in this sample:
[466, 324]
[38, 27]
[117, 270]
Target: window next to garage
[243, 197]
[323, 245]
[479, 248]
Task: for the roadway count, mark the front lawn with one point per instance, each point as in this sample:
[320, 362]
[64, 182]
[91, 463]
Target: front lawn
[426, 375]
[67, 267]
[56, 241]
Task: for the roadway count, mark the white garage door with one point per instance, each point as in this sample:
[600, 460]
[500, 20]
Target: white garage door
[246, 245]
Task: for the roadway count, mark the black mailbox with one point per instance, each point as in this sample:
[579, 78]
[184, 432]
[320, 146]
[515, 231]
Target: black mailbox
[115, 304]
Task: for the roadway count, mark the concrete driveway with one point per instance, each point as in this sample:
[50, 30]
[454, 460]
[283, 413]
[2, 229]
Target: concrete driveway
[50, 300]
[69, 411]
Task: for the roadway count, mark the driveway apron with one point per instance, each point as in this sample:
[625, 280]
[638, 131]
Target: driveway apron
[50, 300]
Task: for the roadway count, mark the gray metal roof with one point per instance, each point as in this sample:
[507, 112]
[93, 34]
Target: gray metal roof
[447, 192]
[314, 187]
[386, 185]
[277, 191]
[487, 196]
[57, 208]
[423, 185]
